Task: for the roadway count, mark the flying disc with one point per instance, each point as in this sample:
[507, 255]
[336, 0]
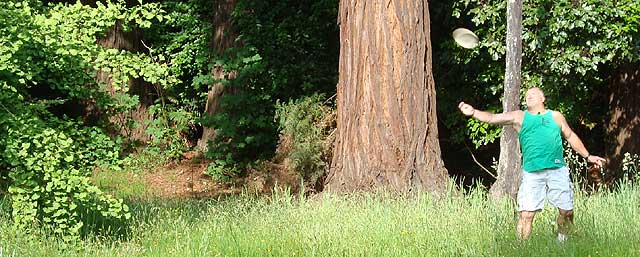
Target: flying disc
[465, 38]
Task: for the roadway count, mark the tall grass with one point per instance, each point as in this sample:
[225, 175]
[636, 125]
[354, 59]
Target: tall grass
[606, 224]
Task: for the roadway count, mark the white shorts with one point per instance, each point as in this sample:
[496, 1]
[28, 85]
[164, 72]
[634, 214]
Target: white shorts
[553, 184]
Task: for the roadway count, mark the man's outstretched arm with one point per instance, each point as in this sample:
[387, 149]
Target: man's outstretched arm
[507, 118]
[575, 142]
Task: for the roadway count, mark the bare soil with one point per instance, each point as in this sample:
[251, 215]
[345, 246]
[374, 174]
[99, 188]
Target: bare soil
[188, 179]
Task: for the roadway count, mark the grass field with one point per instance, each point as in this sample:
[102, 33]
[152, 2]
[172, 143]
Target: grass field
[606, 224]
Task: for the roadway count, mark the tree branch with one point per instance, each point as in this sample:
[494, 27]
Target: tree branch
[477, 162]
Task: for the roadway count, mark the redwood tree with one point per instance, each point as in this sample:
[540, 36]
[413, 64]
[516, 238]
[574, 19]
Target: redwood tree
[387, 136]
[223, 38]
[623, 127]
[118, 38]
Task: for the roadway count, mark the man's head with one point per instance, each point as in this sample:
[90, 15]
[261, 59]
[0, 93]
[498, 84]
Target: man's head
[534, 98]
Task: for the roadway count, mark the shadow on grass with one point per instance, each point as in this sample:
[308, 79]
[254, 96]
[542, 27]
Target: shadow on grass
[152, 210]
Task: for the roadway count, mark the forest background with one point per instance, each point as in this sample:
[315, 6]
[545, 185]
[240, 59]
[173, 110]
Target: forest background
[245, 90]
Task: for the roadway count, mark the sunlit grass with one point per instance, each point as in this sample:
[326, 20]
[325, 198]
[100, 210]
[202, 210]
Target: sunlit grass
[606, 224]
[126, 185]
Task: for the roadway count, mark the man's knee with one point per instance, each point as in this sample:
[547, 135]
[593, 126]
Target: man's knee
[527, 215]
[566, 213]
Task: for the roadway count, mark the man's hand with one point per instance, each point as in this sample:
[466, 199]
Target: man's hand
[466, 109]
[597, 160]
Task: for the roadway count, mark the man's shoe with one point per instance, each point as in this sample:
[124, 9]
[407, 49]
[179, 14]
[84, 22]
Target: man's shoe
[562, 237]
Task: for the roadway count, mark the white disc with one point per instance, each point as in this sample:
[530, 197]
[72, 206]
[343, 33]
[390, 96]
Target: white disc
[465, 38]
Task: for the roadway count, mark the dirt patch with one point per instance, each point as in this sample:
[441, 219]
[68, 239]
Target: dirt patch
[187, 179]
[271, 177]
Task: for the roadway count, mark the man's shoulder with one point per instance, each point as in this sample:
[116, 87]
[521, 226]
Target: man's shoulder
[556, 114]
[518, 117]
[559, 118]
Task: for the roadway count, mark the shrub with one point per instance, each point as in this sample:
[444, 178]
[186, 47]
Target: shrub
[306, 135]
[52, 61]
[48, 171]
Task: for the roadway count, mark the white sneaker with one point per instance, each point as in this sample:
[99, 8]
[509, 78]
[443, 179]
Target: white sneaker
[562, 237]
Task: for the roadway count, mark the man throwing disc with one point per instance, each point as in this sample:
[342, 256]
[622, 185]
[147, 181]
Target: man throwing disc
[545, 174]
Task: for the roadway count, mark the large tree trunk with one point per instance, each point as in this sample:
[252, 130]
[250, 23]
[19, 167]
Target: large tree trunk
[623, 128]
[117, 38]
[223, 38]
[387, 136]
[510, 162]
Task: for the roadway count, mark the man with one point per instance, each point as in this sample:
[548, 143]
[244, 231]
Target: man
[545, 173]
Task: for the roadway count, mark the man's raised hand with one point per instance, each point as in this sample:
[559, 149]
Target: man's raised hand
[466, 109]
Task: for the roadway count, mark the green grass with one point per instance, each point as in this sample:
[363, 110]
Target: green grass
[606, 224]
[126, 185]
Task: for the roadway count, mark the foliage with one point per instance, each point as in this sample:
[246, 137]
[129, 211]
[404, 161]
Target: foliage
[272, 64]
[183, 40]
[244, 129]
[574, 161]
[278, 57]
[48, 62]
[167, 128]
[223, 169]
[169, 139]
[49, 173]
[482, 133]
[630, 168]
[298, 42]
[306, 128]
[56, 48]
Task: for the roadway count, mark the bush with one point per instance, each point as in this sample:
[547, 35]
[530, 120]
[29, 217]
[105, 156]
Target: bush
[306, 135]
[51, 63]
[49, 171]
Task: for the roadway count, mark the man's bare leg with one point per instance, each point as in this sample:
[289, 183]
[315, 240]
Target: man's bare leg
[565, 220]
[525, 222]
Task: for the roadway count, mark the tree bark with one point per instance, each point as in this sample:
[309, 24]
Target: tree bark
[623, 127]
[131, 41]
[387, 136]
[510, 162]
[223, 39]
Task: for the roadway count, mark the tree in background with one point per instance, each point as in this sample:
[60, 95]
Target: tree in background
[50, 59]
[134, 121]
[387, 135]
[510, 161]
[623, 124]
[223, 38]
[273, 54]
[278, 57]
[132, 117]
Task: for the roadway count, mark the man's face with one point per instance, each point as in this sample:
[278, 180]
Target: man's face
[534, 97]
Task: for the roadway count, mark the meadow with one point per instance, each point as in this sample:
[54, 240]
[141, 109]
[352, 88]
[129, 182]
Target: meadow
[367, 224]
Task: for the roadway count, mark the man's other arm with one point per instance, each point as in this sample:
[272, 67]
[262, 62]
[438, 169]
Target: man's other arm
[574, 141]
[507, 118]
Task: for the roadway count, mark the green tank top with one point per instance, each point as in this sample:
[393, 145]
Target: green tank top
[540, 142]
